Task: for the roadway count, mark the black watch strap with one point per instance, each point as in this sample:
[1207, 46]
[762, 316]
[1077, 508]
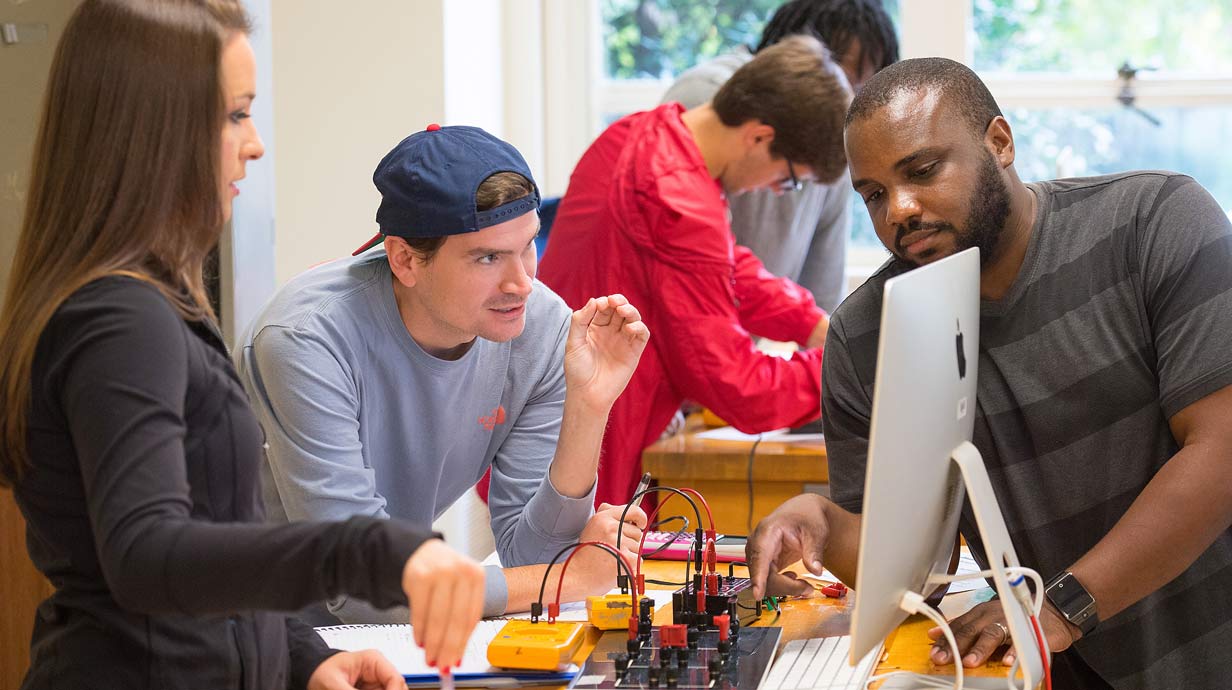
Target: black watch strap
[1073, 601]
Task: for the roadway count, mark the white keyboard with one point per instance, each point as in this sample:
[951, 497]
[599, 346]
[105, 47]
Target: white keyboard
[819, 663]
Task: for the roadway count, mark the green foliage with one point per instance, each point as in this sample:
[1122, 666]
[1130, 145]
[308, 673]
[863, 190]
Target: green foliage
[1096, 36]
[658, 39]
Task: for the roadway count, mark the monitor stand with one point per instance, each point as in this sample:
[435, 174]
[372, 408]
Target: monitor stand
[1001, 555]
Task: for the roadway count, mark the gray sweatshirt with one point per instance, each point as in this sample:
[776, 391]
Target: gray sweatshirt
[359, 420]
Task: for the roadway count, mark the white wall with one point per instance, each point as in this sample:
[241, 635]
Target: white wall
[572, 55]
[939, 29]
[474, 83]
[523, 76]
[350, 81]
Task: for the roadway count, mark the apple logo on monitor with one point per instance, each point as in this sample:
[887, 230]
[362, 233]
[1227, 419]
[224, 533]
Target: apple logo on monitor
[962, 358]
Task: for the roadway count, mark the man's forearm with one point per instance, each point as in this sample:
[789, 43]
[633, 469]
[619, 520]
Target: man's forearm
[1183, 509]
[352, 610]
[842, 548]
[523, 584]
[576, 462]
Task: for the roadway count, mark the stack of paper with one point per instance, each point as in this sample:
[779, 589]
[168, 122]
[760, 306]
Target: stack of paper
[397, 643]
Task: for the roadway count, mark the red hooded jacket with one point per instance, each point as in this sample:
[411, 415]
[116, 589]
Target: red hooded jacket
[644, 218]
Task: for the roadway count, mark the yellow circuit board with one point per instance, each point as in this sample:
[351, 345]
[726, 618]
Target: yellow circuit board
[610, 611]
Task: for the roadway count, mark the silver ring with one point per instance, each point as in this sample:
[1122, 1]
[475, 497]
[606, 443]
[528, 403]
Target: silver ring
[1005, 632]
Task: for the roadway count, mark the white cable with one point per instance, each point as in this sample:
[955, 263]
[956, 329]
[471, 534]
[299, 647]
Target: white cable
[912, 602]
[946, 579]
[1034, 604]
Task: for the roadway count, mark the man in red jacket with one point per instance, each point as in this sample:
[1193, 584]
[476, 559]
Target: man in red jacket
[646, 215]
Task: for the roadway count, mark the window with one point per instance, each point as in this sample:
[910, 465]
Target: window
[1051, 64]
[660, 39]
[1095, 36]
[647, 43]
[1056, 67]
[1075, 142]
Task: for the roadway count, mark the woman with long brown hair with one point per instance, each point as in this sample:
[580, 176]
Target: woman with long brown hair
[126, 437]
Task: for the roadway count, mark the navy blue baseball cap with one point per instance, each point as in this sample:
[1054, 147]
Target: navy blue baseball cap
[429, 180]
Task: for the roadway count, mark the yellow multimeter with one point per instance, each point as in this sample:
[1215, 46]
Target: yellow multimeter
[538, 646]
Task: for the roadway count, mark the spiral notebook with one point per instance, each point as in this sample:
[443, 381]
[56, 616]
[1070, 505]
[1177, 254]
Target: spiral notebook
[397, 643]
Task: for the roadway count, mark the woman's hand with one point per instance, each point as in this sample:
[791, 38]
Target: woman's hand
[445, 591]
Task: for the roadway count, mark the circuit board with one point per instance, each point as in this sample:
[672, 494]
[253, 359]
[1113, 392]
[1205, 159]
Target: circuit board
[743, 667]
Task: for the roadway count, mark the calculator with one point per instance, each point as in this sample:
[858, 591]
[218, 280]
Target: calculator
[727, 547]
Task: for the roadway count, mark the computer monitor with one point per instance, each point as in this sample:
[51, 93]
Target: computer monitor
[920, 455]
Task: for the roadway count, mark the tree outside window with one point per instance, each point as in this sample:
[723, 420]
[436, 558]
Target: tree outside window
[659, 39]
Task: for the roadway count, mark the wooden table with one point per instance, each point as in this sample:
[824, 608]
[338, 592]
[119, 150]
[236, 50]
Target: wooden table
[906, 649]
[720, 470]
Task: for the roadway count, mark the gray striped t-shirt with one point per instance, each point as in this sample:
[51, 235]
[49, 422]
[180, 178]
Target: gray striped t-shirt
[1120, 316]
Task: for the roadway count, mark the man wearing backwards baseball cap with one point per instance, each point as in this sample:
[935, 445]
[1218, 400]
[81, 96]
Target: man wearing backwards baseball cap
[389, 383]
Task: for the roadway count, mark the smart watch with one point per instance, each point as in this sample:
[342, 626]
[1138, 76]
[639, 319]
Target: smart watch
[1073, 601]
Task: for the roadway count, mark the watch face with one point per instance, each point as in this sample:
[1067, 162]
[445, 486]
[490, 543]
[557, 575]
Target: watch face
[1073, 601]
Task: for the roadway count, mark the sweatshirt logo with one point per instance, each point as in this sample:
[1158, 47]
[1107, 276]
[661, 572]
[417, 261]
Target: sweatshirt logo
[489, 421]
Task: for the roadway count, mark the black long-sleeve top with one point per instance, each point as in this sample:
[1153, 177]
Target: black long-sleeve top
[143, 508]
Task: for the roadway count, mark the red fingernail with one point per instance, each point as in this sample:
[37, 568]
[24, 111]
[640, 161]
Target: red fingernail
[432, 664]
